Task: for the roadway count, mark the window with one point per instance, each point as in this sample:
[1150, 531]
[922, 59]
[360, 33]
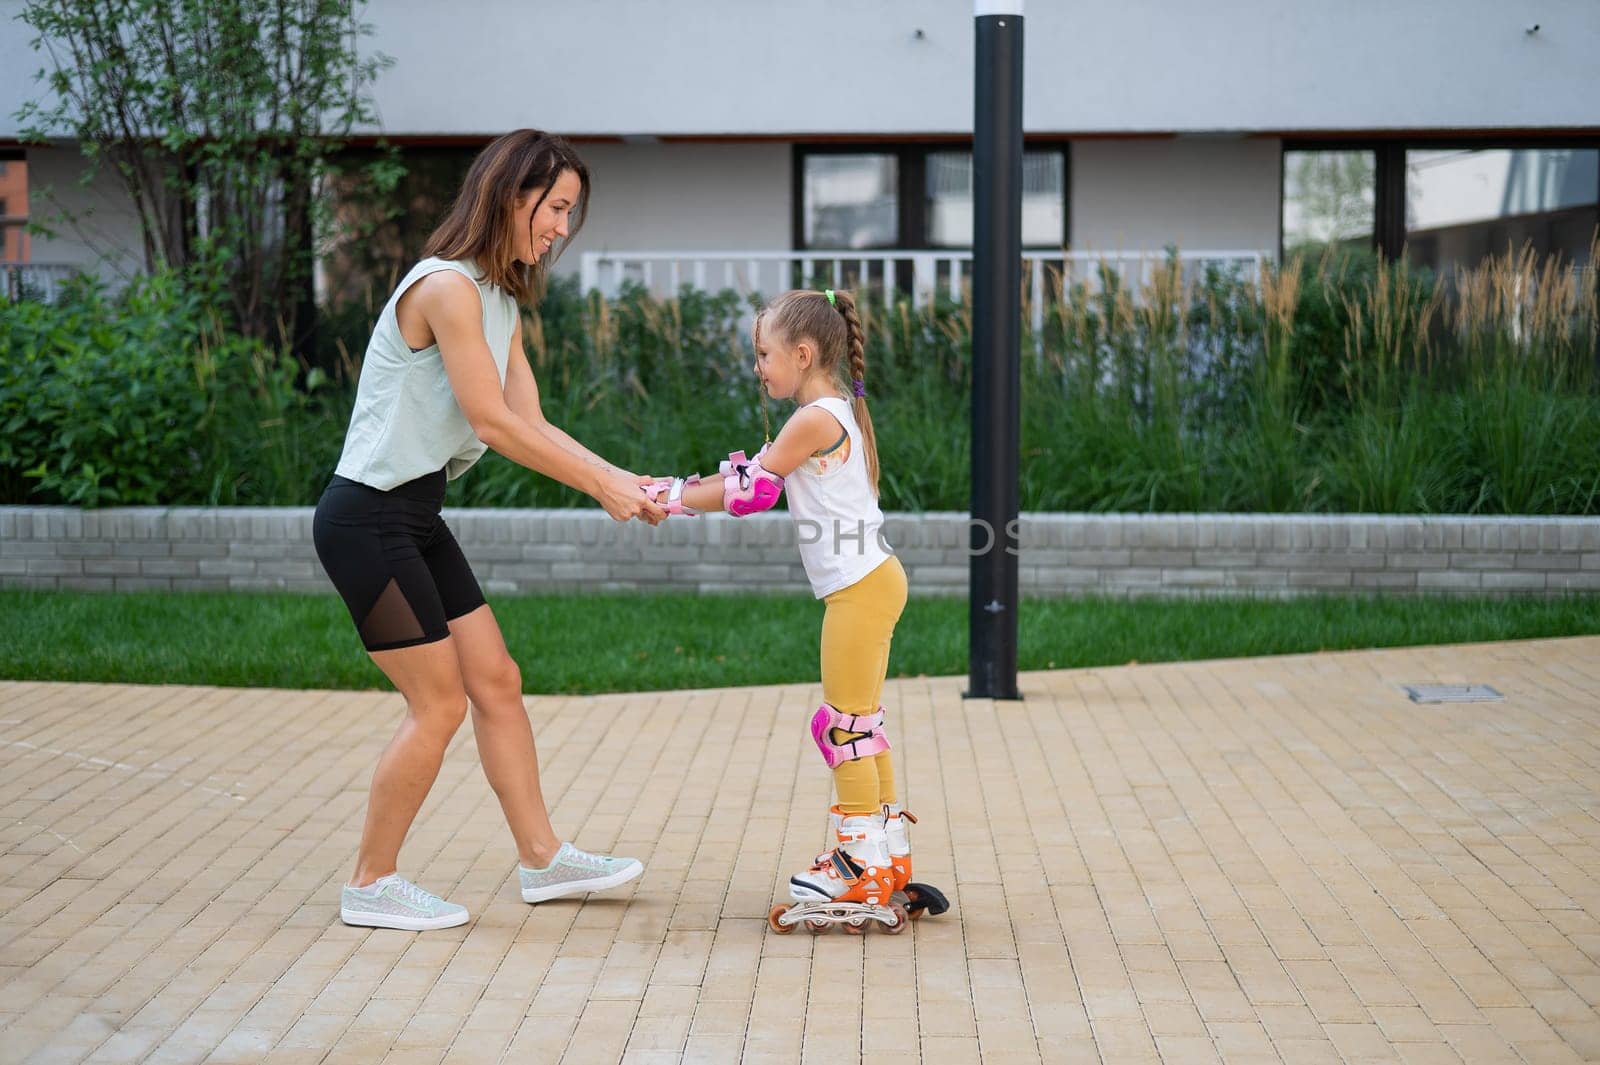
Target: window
[915, 196]
[1446, 206]
[1464, 204]
[851, 201]
[1044, 199]
[1329, 197]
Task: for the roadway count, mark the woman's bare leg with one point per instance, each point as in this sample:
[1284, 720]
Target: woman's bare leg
[505, 738]
[429, 676]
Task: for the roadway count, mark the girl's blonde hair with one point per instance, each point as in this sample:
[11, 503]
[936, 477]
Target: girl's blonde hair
[834, 330]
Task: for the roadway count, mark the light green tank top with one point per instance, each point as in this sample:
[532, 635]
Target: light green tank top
[406, 422]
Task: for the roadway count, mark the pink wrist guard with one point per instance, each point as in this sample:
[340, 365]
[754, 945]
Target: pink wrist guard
[667, 493]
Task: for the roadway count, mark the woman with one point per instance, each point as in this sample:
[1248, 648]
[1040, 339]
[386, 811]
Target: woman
[444, 378]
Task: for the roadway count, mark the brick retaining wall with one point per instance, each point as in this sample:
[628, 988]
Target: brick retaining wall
[522, 551]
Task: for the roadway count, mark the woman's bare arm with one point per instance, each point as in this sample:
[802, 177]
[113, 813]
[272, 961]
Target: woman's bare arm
[450, 305]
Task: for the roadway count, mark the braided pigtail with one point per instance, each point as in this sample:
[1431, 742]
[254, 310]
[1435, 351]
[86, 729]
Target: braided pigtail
[856, 354]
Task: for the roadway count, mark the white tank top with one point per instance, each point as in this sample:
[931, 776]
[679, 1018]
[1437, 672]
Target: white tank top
[406, 422]
[838, 524]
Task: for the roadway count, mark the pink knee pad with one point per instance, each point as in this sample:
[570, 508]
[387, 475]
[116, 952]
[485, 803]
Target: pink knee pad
[827, 718]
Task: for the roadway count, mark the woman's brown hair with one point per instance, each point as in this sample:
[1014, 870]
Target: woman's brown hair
[478, 225]
[834, 328]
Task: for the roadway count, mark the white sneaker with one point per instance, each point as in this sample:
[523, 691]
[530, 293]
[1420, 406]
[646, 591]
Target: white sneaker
[574, 872]
[395, 902]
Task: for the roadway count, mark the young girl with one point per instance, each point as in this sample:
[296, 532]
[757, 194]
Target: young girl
[809, 346]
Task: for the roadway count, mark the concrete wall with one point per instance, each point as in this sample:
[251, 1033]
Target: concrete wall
[1198, 193]
[779, 70]
[245, 549]
[1143, 193]
[1146, 193]
[1126, 195]
[774, 67]
[755, 66]
[691, 197]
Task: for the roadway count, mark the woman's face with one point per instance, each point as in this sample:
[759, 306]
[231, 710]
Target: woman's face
[780, 365]
[538, 230]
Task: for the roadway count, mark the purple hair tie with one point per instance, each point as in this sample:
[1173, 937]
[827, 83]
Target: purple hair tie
[859, 387]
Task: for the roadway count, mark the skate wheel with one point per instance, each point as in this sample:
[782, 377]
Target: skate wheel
[772, 920]
[855, 928]
[902, 919]
[816, 926]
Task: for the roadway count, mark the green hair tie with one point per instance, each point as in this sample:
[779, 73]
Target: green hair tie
[829, 293]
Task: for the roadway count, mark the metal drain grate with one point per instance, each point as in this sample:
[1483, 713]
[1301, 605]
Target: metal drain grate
[1451, 693]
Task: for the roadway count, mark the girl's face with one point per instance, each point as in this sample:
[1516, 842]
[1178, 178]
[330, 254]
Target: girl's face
[780, 365]
[537, 231]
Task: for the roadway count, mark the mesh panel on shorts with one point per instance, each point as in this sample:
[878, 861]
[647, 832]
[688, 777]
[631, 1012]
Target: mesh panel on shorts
[391, 619]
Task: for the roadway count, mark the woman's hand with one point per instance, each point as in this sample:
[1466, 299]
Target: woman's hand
[620, 493]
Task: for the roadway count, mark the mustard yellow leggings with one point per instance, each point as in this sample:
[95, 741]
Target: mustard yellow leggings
[857, 628]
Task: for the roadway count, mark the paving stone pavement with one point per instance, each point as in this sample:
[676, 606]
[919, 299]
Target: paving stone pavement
[1277, 859]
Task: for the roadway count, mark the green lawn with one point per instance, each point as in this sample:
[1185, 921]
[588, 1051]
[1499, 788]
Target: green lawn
[585, 644]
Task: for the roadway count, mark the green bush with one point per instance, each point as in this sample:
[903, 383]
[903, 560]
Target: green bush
[1336, 385]
[138, 397]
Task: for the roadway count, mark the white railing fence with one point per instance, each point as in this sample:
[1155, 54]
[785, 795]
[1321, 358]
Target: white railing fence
[34, 281]
[919, 273]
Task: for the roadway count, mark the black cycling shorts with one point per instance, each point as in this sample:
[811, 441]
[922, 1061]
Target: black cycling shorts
[400, 571]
